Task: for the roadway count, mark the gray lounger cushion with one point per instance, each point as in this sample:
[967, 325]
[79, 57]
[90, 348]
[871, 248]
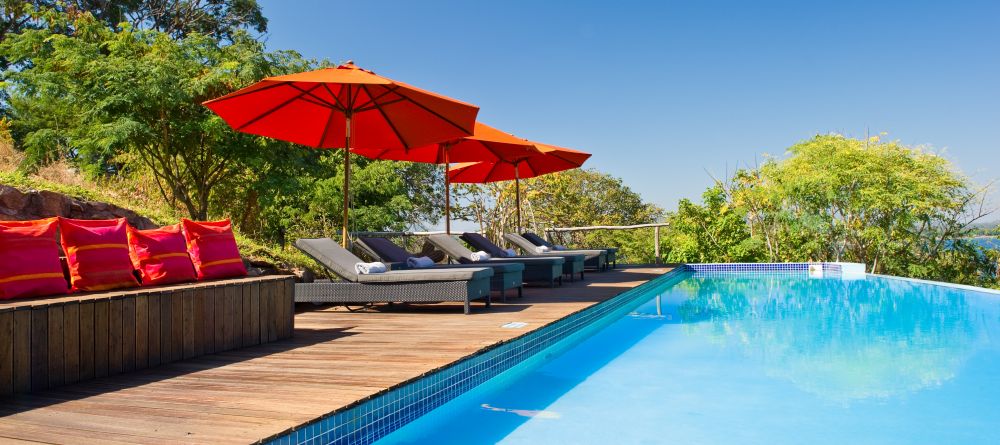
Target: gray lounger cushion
[537, 240]
[529, 248]
[331, 255]
[435, 274]
[449, 245]
[385, 249]
[481, 242]
[341, 262]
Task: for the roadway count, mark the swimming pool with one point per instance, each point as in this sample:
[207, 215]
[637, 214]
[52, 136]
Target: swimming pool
[723, 357]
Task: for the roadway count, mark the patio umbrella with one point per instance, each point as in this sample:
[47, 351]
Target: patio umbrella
[485, 144]
[345, 107]
[549, 159]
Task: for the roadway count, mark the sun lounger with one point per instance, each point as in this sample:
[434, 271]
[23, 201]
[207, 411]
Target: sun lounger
[411, 286]
[594, 258]
[505, 275]
[544, 270]
[612, 252]
[572, 266]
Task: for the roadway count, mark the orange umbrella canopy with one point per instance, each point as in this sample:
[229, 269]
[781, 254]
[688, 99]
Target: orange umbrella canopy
[345, 107]
[549, 159]
[485, 144]
[312, 108]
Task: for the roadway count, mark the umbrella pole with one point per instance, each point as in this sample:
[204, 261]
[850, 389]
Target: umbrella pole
[347, 179]
[517, 195]
[447, 194]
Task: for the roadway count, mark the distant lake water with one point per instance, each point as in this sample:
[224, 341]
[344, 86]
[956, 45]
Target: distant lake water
[987, 242]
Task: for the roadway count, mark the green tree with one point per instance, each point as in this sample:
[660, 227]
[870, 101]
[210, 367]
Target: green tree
[221, 19]
[581, 197]
[900, 210]
[715, 231]
[98, 93]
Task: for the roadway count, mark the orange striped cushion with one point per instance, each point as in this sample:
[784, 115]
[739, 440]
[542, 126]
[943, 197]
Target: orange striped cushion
[160, 255]
[97, 254]
[213, 249]
[29, 260]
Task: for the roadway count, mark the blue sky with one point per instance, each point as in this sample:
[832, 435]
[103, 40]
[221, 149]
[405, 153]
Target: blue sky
[666, 93]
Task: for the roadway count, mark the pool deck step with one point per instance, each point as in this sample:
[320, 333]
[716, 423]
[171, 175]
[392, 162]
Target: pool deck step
[335, 358]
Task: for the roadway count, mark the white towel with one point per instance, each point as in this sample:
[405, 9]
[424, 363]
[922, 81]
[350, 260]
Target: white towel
[419, 262]
[542, 249]
[559, 247]
[369, 268]
[510, 253]
[480, 256]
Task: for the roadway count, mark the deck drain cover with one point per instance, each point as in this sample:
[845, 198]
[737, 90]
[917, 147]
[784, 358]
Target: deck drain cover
[514, 325]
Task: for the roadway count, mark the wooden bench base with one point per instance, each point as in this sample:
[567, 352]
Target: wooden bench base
[49, 342]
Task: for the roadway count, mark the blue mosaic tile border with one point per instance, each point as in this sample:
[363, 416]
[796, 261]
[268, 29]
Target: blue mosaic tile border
[370, 419]
[828, 268]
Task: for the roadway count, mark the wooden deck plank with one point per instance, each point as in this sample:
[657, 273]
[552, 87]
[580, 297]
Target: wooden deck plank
[116, 340]
[166, 312]
[101, 341]
[188, 325]
[39, 349]
[6, 353]
[153, 332]
[255, 313]
[86, 340]
[22, 350]
[198, 300]
[334, 358]
[128, 333]
[56, 352]
[177, 326]
[141, 333]
[71, 342]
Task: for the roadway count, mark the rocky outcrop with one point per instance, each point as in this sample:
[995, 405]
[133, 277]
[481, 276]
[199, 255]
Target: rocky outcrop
[18, 205]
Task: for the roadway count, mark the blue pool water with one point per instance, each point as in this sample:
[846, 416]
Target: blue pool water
[752, 358]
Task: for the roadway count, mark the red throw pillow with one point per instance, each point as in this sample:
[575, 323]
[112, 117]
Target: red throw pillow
[160, 255]
[97, 254]
[213, 249]
[29, 260]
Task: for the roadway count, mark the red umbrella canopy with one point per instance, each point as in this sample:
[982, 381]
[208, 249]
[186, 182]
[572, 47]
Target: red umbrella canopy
[485, 144]
[549, 159]
[312, 108]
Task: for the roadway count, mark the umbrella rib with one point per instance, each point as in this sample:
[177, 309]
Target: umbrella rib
[387, 120]
[334, 96]
[272, 110]
[321, 101]
[326, 129]
[435, 113]
[357, 92]
[490, 173]
[371, 106]
[372, 99]
[530, 170]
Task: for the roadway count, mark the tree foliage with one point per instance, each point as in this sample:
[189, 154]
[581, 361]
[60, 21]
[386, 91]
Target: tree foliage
[220, 19]
[566, 199]
[900, 210]
[98, 93]
[128, 102]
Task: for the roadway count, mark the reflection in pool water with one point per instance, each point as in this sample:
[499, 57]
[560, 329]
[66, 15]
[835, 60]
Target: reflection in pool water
[842, 340]
[754, 358]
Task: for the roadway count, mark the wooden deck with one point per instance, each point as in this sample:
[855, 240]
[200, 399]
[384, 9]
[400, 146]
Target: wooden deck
[335, 358]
